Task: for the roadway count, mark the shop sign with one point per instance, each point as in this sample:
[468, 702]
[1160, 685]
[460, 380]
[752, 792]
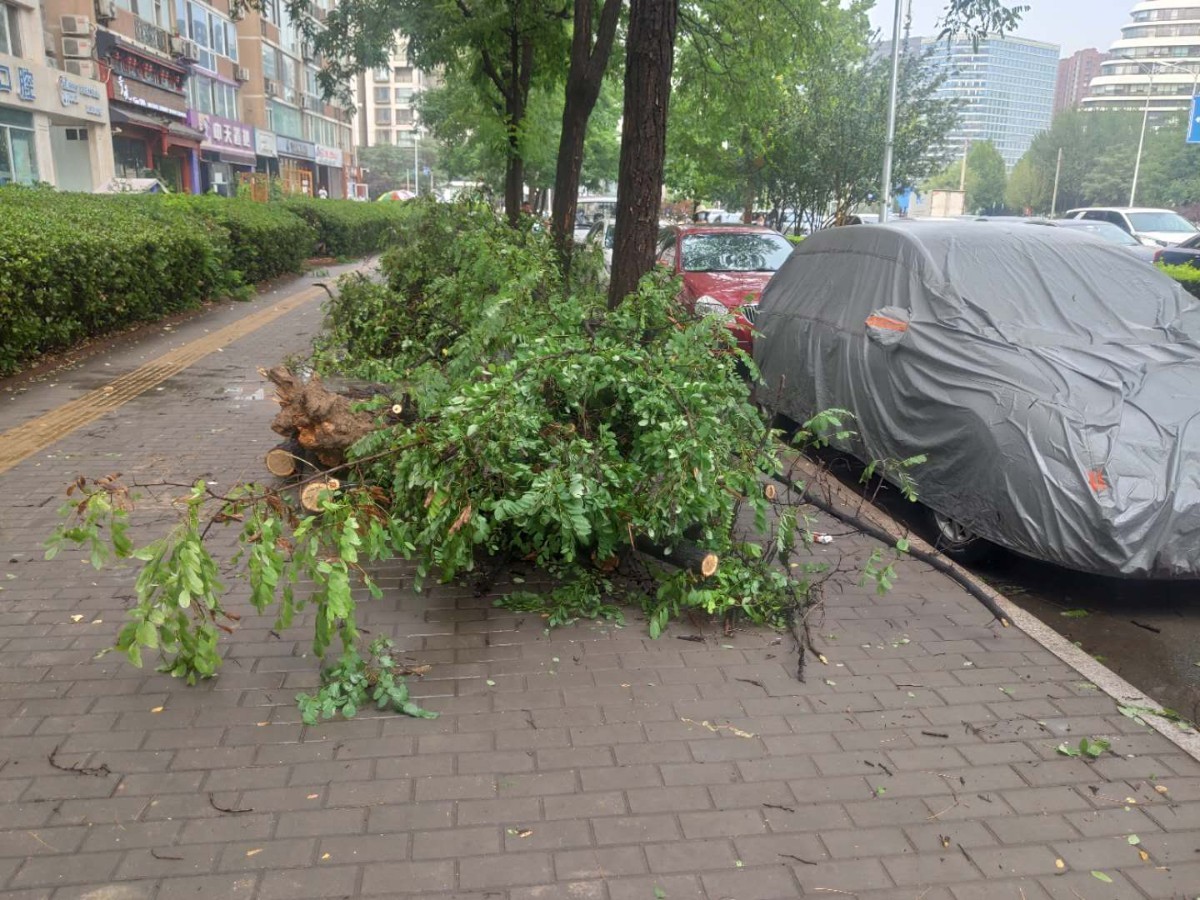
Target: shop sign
[299, 149]
[264, 143]
[329, 156]
[24, 83]
[223, 134]
[146, 96]
[138, 66]
[75, 93]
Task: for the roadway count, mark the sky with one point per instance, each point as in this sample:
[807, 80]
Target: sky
[1073, 24]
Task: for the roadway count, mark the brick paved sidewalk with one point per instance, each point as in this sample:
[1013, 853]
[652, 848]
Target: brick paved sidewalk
[590, 762]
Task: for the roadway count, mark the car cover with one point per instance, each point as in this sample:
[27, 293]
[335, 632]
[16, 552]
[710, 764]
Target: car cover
[1052, 380]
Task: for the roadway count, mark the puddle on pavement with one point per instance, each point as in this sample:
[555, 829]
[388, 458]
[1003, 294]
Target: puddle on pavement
[244, 393]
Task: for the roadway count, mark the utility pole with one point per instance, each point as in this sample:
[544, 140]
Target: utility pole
[885, 194]
[962, 176]
[1057, 175]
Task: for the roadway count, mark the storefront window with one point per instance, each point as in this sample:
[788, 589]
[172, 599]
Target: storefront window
[18, 156]
[10, 32]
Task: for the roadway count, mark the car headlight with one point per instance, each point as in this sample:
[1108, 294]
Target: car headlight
[711, 306]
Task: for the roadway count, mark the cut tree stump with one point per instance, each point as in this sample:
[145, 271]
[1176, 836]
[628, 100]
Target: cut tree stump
[321, 421]
[286, 459]
[683, 555]
[310, 494]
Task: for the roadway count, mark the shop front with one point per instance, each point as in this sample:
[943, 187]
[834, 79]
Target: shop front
[297, 165]
[148, 108]
[53, 127]
[331, 165]
[226, 152]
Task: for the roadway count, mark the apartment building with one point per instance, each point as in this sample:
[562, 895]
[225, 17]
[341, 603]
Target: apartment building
[388, 99]
[1075, 74]
[1155, 64]
[54, 122]
[202, 94]
[299, 137]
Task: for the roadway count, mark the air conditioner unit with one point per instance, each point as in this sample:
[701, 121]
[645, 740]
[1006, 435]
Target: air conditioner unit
[270, 87]
[175, 45]
[78, 47]
[84, 68]
[106, 10]
[190, 51]
[241, 73]
[81, 25]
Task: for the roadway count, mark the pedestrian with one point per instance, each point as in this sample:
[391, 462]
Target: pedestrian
[322, 193]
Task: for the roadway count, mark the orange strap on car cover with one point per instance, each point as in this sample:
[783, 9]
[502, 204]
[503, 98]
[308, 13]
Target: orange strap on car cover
[886, 323]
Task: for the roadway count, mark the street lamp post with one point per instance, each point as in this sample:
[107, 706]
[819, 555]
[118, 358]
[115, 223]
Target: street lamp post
[885, 194]
[1150, 69]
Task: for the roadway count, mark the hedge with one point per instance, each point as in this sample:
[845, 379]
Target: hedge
[266, 240]
[346, 228]
[1187, 276]
[78, 265]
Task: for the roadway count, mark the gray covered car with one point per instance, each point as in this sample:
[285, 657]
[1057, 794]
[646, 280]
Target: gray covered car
[1052, 380]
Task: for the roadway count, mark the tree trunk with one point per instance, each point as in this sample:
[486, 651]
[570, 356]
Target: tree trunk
[650, 58]
[585, 77]
[514, 174]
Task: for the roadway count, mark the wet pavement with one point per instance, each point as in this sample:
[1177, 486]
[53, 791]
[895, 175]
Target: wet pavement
[1148, 632]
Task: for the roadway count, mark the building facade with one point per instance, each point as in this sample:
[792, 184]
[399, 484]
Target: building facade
[1157, 58]
[1004, 87]
[54, 122]
[1075, 74]
[388, 101]
[304, 140]
[202, 95]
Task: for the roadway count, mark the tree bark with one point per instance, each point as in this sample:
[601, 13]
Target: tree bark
[585, 77]
[650, 58]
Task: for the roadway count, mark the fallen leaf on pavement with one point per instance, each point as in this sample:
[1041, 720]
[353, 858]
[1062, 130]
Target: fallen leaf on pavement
[254, 852]
[715, 728]
[1100, 876]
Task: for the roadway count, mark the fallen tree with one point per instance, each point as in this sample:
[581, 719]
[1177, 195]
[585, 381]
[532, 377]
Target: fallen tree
[495, 412]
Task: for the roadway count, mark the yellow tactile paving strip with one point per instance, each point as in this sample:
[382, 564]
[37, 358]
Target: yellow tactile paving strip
[35, 435]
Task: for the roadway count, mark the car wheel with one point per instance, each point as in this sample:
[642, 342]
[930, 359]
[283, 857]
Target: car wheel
[957, 541]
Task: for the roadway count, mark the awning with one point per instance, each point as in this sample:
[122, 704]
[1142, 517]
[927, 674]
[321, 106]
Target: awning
[121, 116]
[180, 135]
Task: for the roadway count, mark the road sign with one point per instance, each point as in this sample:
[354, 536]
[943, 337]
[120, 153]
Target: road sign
[1193, 135]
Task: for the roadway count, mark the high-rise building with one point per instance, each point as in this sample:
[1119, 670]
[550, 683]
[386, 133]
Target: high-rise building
[54, 119]
[1157, 57]
[1004, 87]
[388, 98]
[1075, 74]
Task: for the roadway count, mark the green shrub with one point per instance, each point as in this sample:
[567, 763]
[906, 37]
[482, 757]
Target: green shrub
[77, 265]
[348, 228]
[266, 240]
[1187, 276]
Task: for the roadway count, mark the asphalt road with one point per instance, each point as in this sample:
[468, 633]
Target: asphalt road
[1148, 632]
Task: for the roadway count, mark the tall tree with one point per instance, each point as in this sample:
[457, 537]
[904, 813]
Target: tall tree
[987, 179]
[585, 77]
[501, 48]
[649, 60]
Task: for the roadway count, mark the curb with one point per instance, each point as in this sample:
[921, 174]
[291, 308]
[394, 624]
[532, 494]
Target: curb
[1109, 682]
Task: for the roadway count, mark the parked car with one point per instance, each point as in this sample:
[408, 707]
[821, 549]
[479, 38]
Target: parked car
[1052, 380]
[724, 269]
[1185, 254]
[600, 236]
[1152, 227]
[1105, 231]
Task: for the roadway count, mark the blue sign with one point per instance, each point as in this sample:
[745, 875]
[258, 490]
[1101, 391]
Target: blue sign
[1193, 134]
[25, 84]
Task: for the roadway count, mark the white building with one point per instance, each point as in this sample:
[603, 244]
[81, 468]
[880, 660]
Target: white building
[1158, 55]
[54, 124]
[387, 101]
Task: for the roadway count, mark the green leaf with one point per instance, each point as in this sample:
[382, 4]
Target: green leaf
[1075, 614]
[659, 894]
[1134, 840]
[1100, 876]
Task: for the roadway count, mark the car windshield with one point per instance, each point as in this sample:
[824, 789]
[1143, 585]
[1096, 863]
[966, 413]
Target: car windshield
[735, 252]
[1105, 230]
[1160, 221]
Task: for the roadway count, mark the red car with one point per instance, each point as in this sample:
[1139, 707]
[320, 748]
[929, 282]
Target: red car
[724, 268]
